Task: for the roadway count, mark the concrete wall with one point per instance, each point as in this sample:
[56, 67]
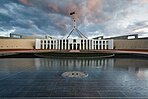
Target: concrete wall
[17, 43]
[131, 44]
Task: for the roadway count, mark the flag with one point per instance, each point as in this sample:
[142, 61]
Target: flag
[72, 13]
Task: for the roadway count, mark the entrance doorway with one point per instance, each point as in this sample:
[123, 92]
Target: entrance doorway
[74, 46]
[78, 46]
[70, 46]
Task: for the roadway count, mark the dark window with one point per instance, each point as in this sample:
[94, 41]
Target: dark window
[100, 47]
[97, 42]
[74, 40]
[71, 46]
[107, 46]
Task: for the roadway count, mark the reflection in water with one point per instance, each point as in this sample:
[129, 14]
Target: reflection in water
[137, 66]
[74, 63]
[139, 72]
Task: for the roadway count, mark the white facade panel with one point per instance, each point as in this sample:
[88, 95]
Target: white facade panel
[37, 44]
[74, 44]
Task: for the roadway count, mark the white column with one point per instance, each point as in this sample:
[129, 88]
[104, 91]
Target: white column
[102, 44]
[96, 44]
[65, 45]
[92, 44]
[49, 44]
[72, 45]
[43, 44]
[62, 44]
[89, 44]
[99, 44]
[46, 44]
[86, 44]
[105, 45]
[55, 44]
[83, 44]
[80, 44]
[68, 45]
[59, 44]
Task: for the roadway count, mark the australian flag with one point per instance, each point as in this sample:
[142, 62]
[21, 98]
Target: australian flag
[72, 13]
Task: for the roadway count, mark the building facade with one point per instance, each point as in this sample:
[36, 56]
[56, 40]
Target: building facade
[17, 43]
[74, 44]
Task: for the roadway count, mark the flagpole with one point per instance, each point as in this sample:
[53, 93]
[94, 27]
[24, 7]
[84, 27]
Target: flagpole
[74, 23]
[75, 28]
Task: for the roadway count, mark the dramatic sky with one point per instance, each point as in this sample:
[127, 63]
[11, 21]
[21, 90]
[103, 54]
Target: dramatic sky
[94, 17]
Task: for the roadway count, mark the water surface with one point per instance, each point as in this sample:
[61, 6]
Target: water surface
[41, 77]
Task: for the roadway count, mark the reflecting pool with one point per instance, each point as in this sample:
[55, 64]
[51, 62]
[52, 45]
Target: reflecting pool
[42, 77]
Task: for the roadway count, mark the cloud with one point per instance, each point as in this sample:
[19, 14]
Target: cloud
[26, 2]
[143, 1]
[94, 17]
